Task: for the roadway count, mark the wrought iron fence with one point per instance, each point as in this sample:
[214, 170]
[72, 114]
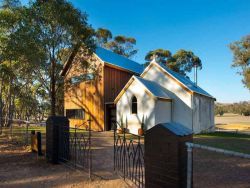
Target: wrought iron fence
[129, 157]
[75, 146]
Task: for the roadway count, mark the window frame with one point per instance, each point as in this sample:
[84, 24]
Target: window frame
[75, 114]
[134, 105]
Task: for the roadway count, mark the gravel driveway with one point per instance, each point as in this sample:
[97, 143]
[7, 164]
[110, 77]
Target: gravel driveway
[19, 168]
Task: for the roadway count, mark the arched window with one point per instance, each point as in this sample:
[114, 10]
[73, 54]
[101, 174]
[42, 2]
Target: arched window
[134, 105]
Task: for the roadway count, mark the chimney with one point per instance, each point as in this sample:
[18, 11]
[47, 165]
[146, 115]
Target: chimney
[195, 75]
[155, 58]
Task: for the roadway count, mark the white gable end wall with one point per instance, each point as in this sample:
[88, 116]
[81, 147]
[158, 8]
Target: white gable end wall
[181, 99]
[203, 113]
[162, 111]
[145, 108]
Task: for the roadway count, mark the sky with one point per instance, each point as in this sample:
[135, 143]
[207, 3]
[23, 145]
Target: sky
[206, 27]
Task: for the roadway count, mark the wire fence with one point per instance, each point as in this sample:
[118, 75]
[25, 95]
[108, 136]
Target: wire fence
[19, 132]
[215, 167]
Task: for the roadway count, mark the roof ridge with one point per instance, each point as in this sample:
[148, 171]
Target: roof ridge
[193, 87]
[118, 54]
[112, 58]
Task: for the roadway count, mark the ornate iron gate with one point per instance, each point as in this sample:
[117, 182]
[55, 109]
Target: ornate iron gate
[75, 146]
[129, 157]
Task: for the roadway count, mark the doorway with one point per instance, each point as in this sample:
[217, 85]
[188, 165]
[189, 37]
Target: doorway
[110, 116]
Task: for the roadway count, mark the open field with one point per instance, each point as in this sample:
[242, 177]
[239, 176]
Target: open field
[233, 122]
[230, 141]
[218, 170]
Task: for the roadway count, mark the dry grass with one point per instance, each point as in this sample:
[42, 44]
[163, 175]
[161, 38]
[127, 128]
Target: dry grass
[233, 122]
[230, 141]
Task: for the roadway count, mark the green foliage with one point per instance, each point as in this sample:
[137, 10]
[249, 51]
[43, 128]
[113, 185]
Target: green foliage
[241, 59]
[182, 61]
[242, 108]
[219, 110]
[103, 36]
[35, 41]
[119, 44]
[161, 54]
[123, 45]
[44, 31]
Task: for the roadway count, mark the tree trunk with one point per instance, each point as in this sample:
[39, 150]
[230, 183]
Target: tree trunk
[1, 106]
[53, 89]
[8, 107]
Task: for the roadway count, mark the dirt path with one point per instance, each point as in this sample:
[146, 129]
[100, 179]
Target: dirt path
[103, 154]
[219, 171]
[21, 168]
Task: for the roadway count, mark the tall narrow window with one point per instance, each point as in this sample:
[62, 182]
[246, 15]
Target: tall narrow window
[134, 105]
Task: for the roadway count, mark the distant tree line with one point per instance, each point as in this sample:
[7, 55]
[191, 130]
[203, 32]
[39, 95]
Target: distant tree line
[241, 108]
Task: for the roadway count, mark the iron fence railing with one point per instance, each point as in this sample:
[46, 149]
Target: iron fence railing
[129, 157]
[75, 146]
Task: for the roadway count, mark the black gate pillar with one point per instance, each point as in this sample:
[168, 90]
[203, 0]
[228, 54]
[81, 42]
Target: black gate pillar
[53, 126]
[166, 156]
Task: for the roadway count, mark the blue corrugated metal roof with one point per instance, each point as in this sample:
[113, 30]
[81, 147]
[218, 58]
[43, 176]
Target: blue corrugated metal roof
[154, 88]
[117, 60]
[186, 82]
[177, 128]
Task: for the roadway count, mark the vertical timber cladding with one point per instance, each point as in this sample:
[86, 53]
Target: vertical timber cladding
[86, 95]
[92, 96]
[114, 81]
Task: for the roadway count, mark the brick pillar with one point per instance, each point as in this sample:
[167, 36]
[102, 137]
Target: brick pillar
[166, 156]
[53, 125]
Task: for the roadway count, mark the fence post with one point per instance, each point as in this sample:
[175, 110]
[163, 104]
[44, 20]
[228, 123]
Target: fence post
[54, 126]
[39, 144]
[27, 133]
[166, 155]
[90, 152]
[75, 144]
[11, 131]
[189, 166]
[124, 153]
[114, 126]
[32, 142]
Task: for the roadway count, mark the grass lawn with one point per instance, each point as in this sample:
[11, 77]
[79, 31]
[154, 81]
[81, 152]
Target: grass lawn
[229, 141]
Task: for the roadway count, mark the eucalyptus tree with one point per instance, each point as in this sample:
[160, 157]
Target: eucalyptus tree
[119, 44]
[103, 36]
[8, 64]
[123, 45]
[47, 29]
[241, 58]
[182, 61]
[161, 54]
